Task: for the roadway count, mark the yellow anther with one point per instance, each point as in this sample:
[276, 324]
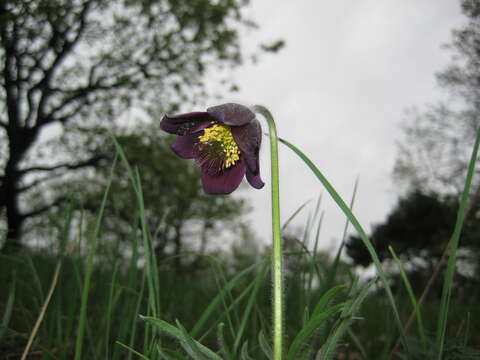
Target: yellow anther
[222, 134]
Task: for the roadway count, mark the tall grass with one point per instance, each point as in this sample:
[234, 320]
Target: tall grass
[448, 282]
[117, 309]
[89, 269]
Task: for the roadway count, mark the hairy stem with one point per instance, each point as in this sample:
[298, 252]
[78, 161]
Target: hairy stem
[277, 260]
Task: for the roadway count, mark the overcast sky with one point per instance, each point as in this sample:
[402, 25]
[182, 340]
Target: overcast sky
[339, 90]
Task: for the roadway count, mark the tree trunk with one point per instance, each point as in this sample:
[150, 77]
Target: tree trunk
[177, 240]
[20, 141]
[9, 196]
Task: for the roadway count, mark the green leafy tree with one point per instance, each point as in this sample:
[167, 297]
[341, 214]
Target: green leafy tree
[69, 66]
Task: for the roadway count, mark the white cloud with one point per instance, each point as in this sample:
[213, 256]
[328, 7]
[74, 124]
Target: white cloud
[338, 91]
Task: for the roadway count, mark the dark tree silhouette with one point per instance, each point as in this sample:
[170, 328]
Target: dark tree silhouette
[419, 226]
[418, 229]
[70, 66]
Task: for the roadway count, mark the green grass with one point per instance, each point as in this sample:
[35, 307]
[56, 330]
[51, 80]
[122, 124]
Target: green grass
[104, 307]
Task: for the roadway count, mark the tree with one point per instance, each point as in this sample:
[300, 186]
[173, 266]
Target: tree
[179, 214]
[435, 152]
[72, 65]
[432, 162]
[418, 229]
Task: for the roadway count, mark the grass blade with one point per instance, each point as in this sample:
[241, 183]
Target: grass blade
[357, 343]
[137, 310]
[294, 215]
[448, 282]
[363, 235]
[151, 262]
[43, 310]
[223, 344]
[217, 300]
[164, 356]
[63, 240]
[413, 299]
[304, 334]
[133, 351]
[244, 352]
[350, 308]
[89, 269]
[151, 259]
[189, 344]
[325, 299]
[265, 345]
[248, 309]
[229, 309]
[110, 307]
[172, 331]
[7, 315]
[333, 269]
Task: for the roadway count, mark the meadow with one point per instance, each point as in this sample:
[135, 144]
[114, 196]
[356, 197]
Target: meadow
[70, 301]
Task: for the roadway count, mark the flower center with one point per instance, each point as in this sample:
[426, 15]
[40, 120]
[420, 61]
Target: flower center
[219, 137]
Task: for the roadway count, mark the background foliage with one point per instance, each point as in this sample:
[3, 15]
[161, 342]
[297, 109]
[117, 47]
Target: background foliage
[78, 67]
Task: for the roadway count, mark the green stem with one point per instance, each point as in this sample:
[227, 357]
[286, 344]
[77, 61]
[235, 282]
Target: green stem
[451, 267]
[277, 260]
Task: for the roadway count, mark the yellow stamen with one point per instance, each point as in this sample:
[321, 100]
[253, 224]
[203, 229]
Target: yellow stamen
[222, 134]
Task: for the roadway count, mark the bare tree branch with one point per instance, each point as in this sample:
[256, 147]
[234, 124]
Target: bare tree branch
[44, 208]
[80, 96]
[67, 166]
[67, 47]
[133, 54]
[39, 181]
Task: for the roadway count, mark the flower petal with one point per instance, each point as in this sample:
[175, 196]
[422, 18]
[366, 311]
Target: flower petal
[184, 124]
[249, 139]
[231, 114]
[224, 182]
[254, 179]
[184, 146]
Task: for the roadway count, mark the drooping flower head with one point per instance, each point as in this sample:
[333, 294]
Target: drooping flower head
[225, 141]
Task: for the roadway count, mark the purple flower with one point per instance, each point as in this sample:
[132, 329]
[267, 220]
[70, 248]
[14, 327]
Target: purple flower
[225, 141]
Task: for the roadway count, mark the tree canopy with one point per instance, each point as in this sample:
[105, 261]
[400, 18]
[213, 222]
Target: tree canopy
[180, 216]
[419, 229]
[438, 141]
[76, 66]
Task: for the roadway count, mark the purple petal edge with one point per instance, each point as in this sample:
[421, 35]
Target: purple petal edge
[249, 139]
[185, 124]
[225, 182]
[255, 180]
[232, 114]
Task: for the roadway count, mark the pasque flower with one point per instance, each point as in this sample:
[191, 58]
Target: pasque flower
[225, 141]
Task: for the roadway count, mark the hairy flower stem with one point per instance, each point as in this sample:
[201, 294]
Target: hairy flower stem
[277, 261]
